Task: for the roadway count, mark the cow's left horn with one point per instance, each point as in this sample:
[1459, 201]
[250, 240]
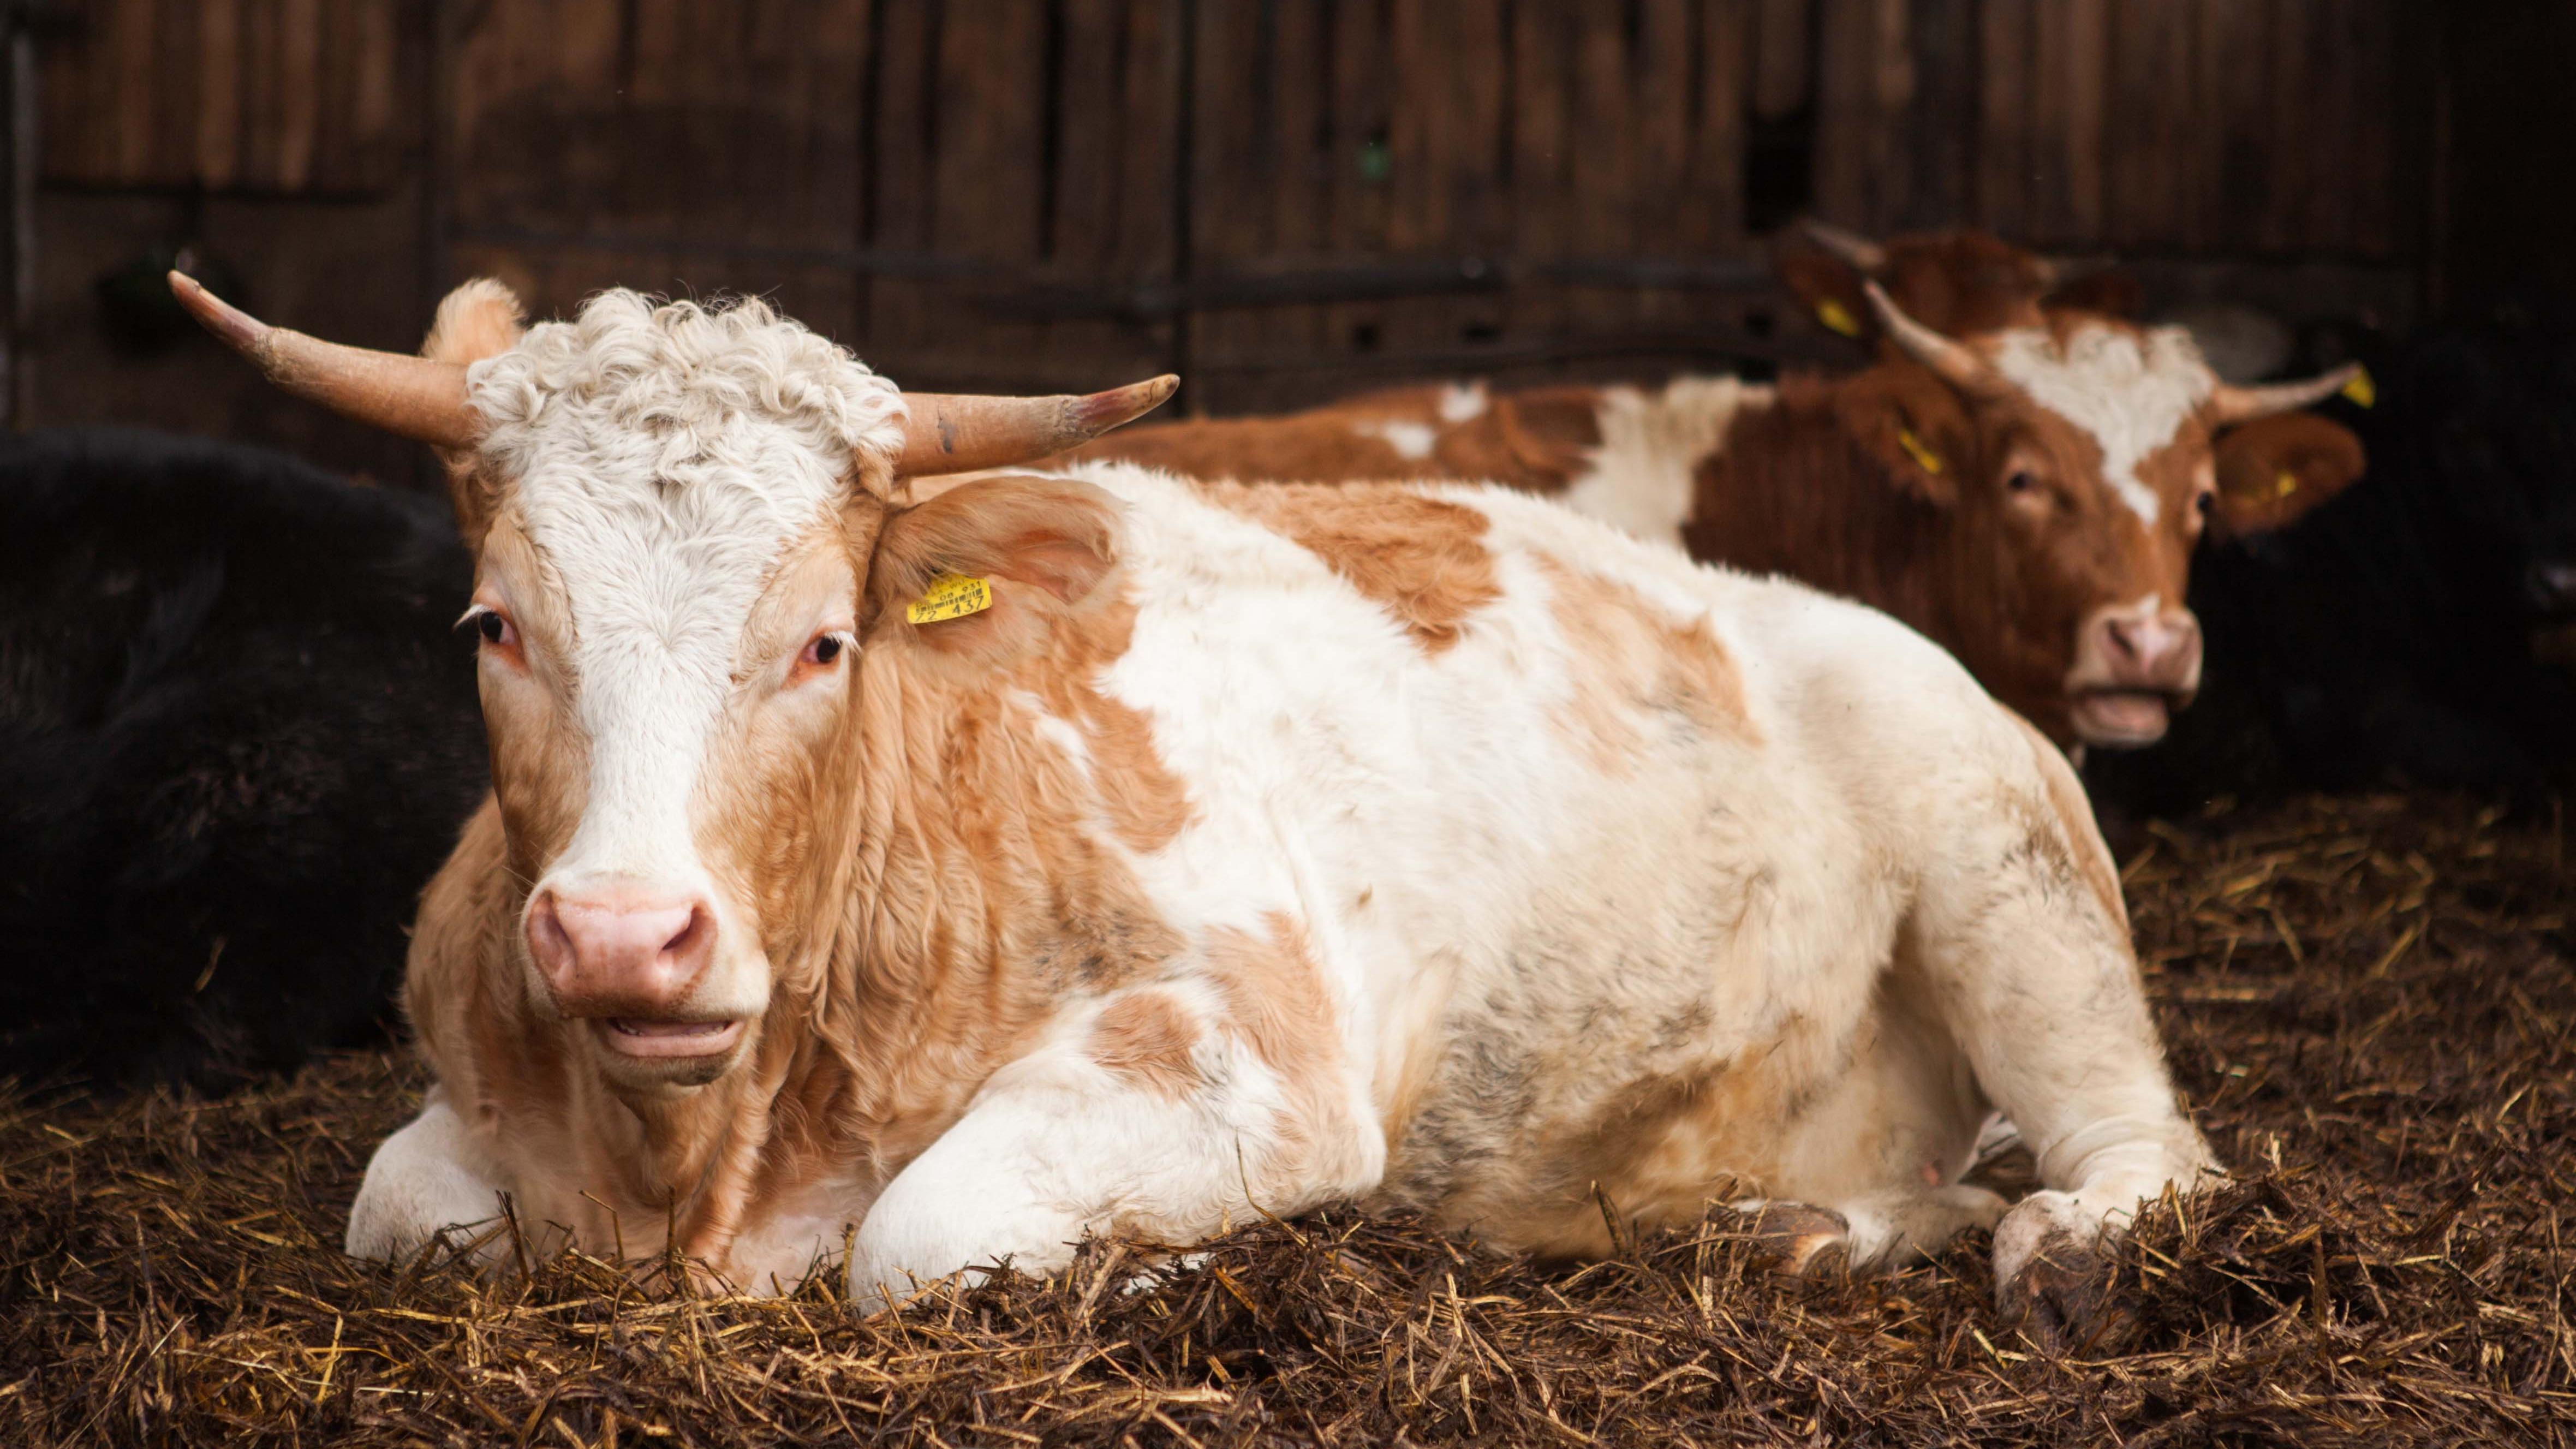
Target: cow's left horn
[2230, 405]
[411, 396]
[1950, 360]
[961, 432]
[1862, 254]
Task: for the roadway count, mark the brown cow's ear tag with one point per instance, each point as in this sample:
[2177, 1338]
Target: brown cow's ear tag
[2284, 483]
[951, 596]
[1915, 448]
[2361, 389]
[1838, 317]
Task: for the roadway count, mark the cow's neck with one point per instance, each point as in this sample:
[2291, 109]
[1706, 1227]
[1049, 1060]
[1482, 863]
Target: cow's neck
[1790, 490]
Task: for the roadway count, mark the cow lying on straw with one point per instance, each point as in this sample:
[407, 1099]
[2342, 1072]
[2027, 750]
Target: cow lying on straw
[1108, 853]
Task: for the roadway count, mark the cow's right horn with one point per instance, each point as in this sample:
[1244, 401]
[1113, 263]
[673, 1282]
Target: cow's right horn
[961, 432]
[410, 396]
[1951, 361]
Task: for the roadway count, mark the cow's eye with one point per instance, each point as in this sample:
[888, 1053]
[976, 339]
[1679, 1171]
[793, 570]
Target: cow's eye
[822, 650]
[493, 627]
[2021, 481]
[2206, 502]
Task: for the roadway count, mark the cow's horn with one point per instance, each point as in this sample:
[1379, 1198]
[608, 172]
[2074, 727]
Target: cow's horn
[410, 396]
[960, 432]
[2230, 405]
[1865, 255]
[1949, 360]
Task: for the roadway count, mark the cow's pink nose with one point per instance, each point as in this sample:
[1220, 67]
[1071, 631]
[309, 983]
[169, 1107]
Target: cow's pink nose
[620, 954]
[2159, 652]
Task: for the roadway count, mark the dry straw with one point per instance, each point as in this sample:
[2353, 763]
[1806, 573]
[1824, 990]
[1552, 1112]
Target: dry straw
[2369, 1003]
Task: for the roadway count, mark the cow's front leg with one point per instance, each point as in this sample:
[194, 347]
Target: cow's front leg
[425, 1177]
[1149, 1120]
[2026, 941]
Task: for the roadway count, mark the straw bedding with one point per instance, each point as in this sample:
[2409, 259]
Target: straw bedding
[2369, 1003]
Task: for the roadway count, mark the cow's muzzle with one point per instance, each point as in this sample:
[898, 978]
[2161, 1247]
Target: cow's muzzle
[2134, 666]
[631, 962]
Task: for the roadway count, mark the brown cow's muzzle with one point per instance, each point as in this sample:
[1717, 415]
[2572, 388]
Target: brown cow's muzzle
[2134, 666]
[631, 963]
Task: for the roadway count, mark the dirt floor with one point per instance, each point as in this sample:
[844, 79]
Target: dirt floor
[2370, 1006]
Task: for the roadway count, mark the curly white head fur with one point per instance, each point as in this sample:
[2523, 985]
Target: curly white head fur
[2130, 390]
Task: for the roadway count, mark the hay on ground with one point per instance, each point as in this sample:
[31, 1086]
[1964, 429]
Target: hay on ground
[2369, 1004]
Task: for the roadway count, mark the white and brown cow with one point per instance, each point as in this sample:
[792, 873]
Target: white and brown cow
[1255, 848]
[2028, 498]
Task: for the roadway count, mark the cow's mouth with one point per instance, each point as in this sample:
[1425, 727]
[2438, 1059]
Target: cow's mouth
[637, 1036]
[2122, 718]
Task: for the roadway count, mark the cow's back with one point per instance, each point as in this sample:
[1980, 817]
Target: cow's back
[1593, 836]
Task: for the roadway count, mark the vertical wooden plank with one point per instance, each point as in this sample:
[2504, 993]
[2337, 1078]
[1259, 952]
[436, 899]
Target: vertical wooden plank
[2292, 120]
[2371, 228]
[1782, 72]
[299, 84]
[2004, 116]
[899, 211]
[2070, 54]
[1232, 185]
[173, 103]
[1541, 158]
[2151, 88]
[1865, 83]
[1361, 179]
[1300, 160]
[125, 122]
[261, 92]
[1149, 142]
[1604, 188]
[2235, 53]
[2335, 107]
[1710, 216]
[1663, 64]
[1937, 136]
[219, 92]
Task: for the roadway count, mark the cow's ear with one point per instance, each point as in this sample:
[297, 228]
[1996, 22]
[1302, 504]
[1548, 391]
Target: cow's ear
[2274, 470]
[1910, 424]
[1548, 434]
[481, 318]
[985, 569]
[1827, 288]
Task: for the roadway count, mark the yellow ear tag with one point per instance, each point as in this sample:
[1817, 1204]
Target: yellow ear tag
[2361, 389]
[1838, 317]
[2285, 483]
[950, 596]
[1924, 458]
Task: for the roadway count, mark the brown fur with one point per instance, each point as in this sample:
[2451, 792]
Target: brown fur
[1144, 1037]
[1423, 559]
[1629, 666]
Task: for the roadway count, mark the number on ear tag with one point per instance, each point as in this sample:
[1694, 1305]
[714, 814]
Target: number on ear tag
[950, 596]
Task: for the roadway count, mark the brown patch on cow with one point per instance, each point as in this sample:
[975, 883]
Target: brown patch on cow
[1630, 661]
[1146, 1037]
[1337, 443]
[1422, 559]
[2090, 857]
[1276, 1001]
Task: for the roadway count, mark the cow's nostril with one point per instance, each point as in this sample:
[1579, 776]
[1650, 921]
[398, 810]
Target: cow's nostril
[693, 940]
[546, 938]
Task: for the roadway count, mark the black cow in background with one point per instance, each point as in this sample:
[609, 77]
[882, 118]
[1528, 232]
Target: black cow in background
[2388, 638]
[237, 736]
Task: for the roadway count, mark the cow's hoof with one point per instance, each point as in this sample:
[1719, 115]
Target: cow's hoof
[2053, 1278]
[1795, 1238]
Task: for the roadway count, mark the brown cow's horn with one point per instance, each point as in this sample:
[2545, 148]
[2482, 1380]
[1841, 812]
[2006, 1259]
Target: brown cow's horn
[410, 396]
[1865, 256]
[2230, 405]
[960, 432]
[1951, 361]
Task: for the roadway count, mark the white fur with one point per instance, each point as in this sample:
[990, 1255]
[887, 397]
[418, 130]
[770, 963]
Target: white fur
[663, 458]
[1463, 402]
[1642, 478]
[1410, 440]
[2131, 391]
[1854, 896]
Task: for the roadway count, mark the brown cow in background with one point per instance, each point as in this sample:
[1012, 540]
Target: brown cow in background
[2028, 498]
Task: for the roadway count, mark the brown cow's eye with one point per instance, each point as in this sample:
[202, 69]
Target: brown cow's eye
[824, 649]
[2207, 503]
[2021, 481]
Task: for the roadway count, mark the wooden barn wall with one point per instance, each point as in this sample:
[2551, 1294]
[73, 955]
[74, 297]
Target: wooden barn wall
[1283, 199]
